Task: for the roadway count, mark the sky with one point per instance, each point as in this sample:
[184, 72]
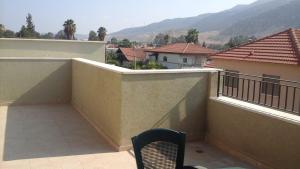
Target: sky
[49, 15]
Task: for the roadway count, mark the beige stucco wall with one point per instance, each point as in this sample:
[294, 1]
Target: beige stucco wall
[35, 81]
[96, 94]
[287, 72]
[52, 48]
[254, 136]
[176, 101]
[121, 104]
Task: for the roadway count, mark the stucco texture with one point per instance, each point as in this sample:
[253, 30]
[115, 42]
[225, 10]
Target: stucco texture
[52, 49]
[122, 105]
[35, 81]
[96, 93]
[175, 101]
[271, 141]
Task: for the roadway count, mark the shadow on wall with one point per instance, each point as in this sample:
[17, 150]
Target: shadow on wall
[43, 131]
[189, 114]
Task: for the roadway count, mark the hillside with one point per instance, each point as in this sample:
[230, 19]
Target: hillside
[259, 18]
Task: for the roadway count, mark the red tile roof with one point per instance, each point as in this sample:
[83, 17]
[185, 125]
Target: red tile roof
[282, 48]
[183, 48]
[131, 53]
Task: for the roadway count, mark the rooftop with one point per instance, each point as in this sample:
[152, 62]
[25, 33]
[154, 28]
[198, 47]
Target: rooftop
[133, 53]
[281, 48]
[65, 140]
[183, 48]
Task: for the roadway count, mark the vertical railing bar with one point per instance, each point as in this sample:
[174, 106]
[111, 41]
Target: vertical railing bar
[286, 96]
[254, 90]
[266, 92]
[218, 89]
[294, 96]
[259, 96]
[279, 96]
[238, 87]
[232, 85]
[272, 94]
[227, 81]
[243, 89]
[223, 87]
[248, 89]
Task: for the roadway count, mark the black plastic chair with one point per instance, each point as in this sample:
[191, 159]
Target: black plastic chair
[159, 149]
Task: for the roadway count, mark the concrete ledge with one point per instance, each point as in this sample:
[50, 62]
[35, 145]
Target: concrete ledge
[281, 115]
[264, 137]
[50, 40]
[129, 71]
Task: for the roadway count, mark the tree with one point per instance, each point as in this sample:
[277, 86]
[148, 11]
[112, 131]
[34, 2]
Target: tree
[192, 36]
[30, 26]
[114, 41]
[2, 30]
[48, 35]
[9, 34]
[125, 43]
[101, 33]
[60, 35]
[28, 31]
[93, 36]
[180, 39]
[166, 39]
[239, 40]
[159, 39]
[69, 29]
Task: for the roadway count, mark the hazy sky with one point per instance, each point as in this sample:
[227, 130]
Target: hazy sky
[49, 15]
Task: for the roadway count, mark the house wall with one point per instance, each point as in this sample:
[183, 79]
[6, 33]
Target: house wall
[35, 81]
[175, 61]
[286, 72]
[264, 137]
[52, 49]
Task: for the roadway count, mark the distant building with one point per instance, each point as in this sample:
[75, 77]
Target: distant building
[180, 55]
[270, 59]
[277, 55]
[130, 55]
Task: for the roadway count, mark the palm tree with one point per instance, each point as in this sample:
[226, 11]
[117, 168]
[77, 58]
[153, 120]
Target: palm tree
[101, 33]
[70, 29]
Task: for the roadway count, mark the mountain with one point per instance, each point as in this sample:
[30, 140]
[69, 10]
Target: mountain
[259, 18]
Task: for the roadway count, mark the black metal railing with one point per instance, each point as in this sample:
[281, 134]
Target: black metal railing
[269, 91]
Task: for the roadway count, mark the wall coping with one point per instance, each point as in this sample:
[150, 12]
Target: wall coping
[33, 58]
[51, 40]
[281, 115]
[137, 72]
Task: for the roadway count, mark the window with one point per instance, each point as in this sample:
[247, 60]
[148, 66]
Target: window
[165, 59]
[184, 60]
[232, 78]
[270, 85]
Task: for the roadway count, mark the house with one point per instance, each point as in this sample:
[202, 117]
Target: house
[180, 55]
[130, 55]
[277, 55]
[272, 60]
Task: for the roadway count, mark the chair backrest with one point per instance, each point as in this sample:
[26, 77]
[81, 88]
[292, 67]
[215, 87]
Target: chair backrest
[159, 149]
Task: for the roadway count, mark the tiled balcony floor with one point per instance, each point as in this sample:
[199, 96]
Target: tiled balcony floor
[57, 137]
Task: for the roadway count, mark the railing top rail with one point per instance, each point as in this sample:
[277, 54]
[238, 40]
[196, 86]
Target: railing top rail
[255, 76]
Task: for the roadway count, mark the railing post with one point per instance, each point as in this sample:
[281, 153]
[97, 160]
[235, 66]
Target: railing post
[218, 90]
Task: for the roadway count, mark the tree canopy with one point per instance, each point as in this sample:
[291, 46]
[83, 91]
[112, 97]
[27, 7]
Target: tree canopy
[93, 36]
[101, 33]
[28, 31]
[69, 29]
[192, 36]
[239, 40]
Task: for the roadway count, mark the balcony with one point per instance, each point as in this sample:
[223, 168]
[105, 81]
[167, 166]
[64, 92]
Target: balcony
[77, 113]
